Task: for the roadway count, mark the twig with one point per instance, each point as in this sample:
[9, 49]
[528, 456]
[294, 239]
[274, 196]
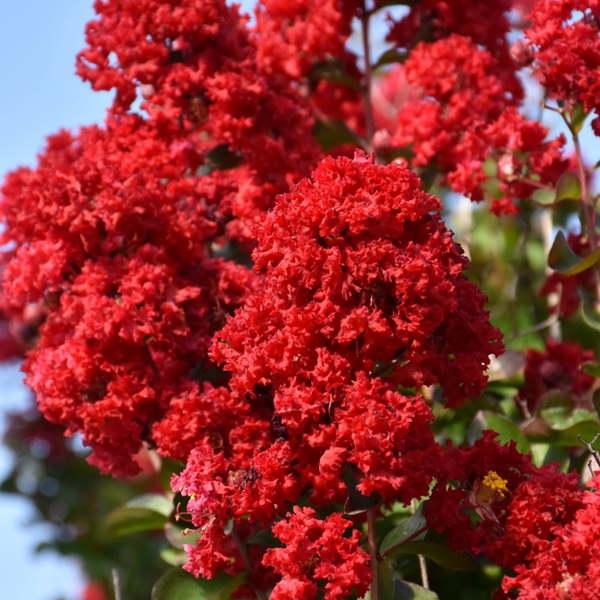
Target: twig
[369, 123]
[116, 583]
[422, 561]
[408, 538]
[374, 556]
[591, 451]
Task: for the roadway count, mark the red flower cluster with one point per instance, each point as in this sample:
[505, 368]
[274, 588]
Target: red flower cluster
[316, 551]
[487, 473]
[114, 238]
[358, 267]
[564, 34]
[567, 562]
[361, 269]
[194, 63]
[559, 368]
[485, 23]
[462, 119]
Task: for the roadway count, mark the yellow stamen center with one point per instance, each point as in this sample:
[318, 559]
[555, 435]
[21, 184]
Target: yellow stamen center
[492, 487]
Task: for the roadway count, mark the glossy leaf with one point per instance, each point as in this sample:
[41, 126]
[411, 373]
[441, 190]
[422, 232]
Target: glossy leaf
[356, 502]
[405, 590]
[578, 117]
[563, 437]
[332, 133]
[438, 553]
[389, 57]
[568, 187]
[597, 401]
[405, 529]
[562, 259]
[175, 536]
[591, 368]
[143, 513]
[504, 427]
[174, 556]
[589, 314]
[177, 584]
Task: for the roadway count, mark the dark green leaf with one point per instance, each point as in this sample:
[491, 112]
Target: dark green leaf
[544, 197]
[564, 437]
[589, 313]
[438, 553]
[405, 529]
[597, 401]
[568, 187]
[150, 511]
[265, 538]
[391, 56]
[386, 583]
[405, 590]
[332, 133]
[175, 537]
[174, 556]
[578, 117]
[177, 584]
[562, 259]
[591, 368]
[333, 70]
[356, 502]
[504, 427]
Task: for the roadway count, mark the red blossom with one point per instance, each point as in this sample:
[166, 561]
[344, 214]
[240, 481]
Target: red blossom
[317, 552]
[558, 368]
[564, 34]
[357, 261]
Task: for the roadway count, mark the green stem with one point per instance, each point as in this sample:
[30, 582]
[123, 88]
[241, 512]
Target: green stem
[374, 556]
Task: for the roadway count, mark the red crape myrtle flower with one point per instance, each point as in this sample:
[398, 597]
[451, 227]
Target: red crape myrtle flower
[567, 50]
[360, 267]
[559, 368]
[316, 551]
[569, 566]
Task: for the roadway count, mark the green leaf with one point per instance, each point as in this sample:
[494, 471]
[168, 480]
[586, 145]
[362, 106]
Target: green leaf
[386, 583]
[544, 197]
[333, 70]
[565, 437]
[407, 528]
[174, 556]
[391, 56]
[438, 553]
[591, 368]
[568, 187]
[578, 117]
[405, 590]
[356, 502]
[265, 537]
[504, 427]
[177, 584]
[597, 401]
[589, 313]
[332, 133]
[149, 511]
[175, 537]
[562, 259]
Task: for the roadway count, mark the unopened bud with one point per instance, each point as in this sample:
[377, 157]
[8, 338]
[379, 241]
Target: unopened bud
[381, 141]
[522, 53]
[147, 90]
[506, 168]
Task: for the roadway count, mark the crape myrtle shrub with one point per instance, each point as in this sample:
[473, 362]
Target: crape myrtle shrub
[242, 293]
